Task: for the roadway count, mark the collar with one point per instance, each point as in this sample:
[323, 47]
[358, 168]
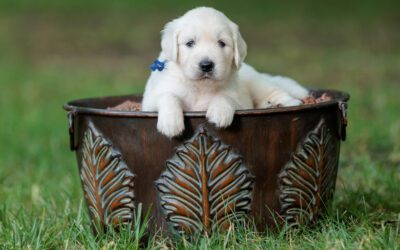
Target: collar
[158, 65]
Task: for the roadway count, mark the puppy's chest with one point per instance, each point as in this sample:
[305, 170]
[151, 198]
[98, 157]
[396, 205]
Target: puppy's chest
[197, 101]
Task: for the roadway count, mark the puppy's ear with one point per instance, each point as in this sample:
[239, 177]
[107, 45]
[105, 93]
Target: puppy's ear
[169, 41]
[239, 46]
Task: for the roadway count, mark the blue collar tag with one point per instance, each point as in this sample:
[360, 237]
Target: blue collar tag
[157, 65]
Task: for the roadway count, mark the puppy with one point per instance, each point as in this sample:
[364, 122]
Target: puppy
[200, 68]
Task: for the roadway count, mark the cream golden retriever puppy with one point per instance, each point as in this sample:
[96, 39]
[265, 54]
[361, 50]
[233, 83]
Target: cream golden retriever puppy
[200, 68]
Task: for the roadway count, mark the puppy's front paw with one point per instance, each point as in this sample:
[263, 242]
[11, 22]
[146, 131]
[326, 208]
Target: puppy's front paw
[170, 124]
[265, 105]
[221, 116]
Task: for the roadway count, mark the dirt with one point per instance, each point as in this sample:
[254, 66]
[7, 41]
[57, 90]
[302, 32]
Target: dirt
[127, 106]
[314, 100]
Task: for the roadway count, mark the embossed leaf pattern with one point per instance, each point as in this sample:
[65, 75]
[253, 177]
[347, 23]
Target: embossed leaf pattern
[308, 179]
[107, 182]
[204, 186]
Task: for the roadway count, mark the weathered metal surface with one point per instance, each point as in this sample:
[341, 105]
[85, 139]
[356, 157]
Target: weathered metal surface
[307, 181]
[205, 186]
[343, 112]
[107, 182]
[71, 129]
[267, 140]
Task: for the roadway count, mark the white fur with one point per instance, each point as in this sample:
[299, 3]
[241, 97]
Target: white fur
[234, 85]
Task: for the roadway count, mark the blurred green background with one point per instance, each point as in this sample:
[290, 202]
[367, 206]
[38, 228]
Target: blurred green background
[55, 51]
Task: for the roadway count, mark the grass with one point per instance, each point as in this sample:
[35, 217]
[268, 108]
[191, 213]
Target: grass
[52, 53]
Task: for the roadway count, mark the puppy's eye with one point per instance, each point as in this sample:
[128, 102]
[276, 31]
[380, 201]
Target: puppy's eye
[190, 44]
[221, 43]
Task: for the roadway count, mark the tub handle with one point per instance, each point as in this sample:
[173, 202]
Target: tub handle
[71, 125]
[343, 120]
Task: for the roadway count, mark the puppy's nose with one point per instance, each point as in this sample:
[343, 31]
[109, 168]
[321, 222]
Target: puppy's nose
[206, 65]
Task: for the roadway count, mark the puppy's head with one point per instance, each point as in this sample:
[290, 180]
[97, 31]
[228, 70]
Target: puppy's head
[205, 44]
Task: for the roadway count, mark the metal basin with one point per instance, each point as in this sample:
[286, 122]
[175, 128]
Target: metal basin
[273, 166]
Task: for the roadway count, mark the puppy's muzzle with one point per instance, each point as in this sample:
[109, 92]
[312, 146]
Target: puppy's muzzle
[206, 66]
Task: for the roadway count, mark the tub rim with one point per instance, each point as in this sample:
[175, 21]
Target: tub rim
[77, 108]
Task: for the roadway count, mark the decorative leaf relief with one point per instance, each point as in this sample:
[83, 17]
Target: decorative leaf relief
[107, 182]
[308, 179]
[205, 186]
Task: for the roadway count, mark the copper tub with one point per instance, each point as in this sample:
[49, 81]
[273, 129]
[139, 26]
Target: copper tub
[273, 166]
